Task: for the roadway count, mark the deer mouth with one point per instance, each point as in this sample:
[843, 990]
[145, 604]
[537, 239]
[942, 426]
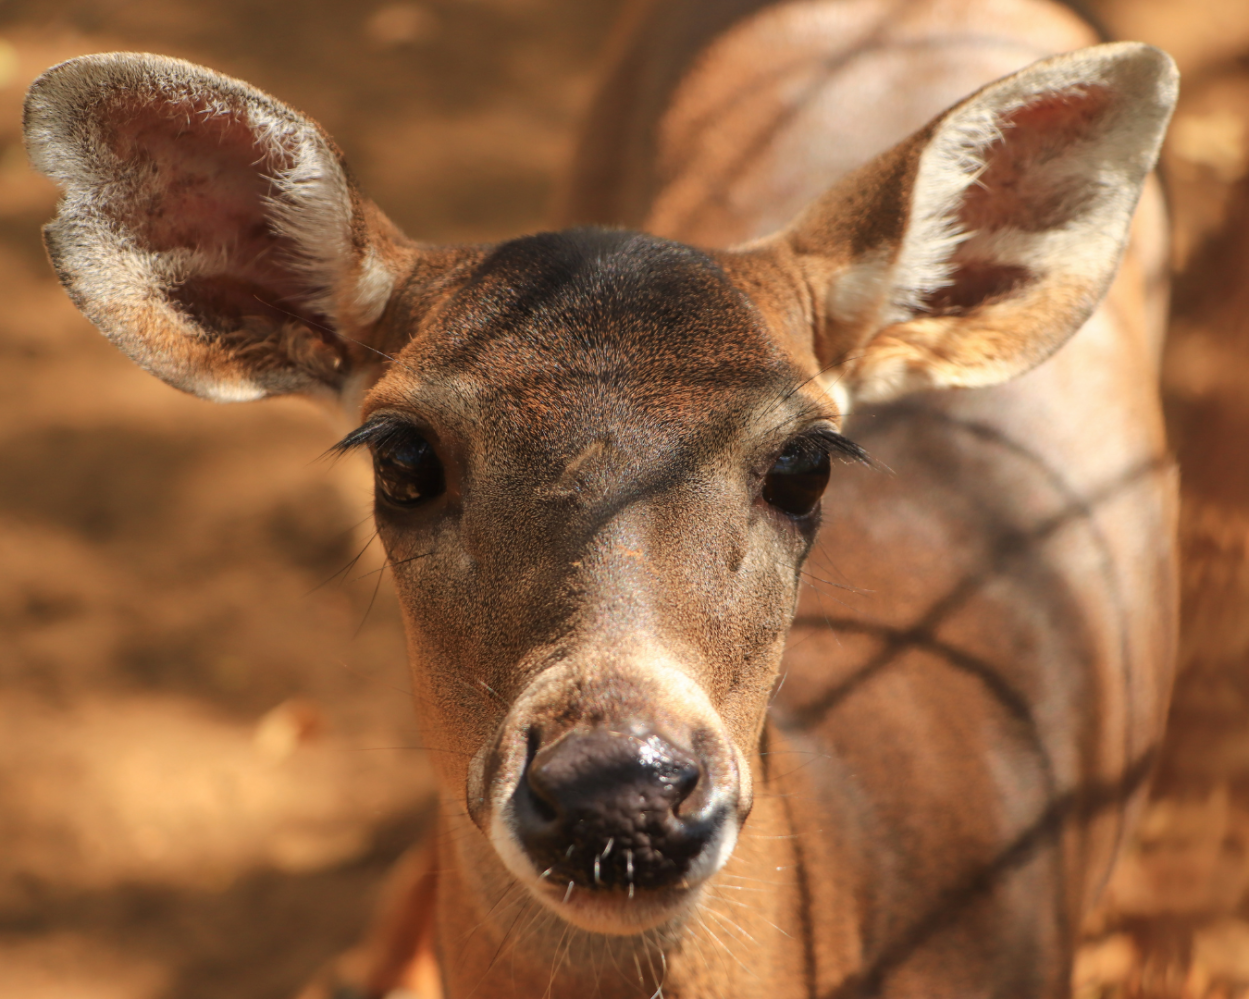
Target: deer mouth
[616, 826]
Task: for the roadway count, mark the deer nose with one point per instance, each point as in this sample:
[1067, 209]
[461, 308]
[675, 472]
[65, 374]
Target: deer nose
[606, 809]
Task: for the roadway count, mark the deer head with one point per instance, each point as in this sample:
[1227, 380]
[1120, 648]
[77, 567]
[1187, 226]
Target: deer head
[599, 455]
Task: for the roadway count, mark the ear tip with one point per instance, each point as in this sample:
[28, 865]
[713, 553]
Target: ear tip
[61, 92]
[71, 84]
[1140, 52]
[91, 70]
[65, 95]
[1141, 67]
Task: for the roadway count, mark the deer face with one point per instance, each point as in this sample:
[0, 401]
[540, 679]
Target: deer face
[597, 478]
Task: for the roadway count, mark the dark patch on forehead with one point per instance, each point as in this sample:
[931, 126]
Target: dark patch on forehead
[559, 320]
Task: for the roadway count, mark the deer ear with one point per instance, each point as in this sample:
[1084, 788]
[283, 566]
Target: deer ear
[973, 250]
[208, 230]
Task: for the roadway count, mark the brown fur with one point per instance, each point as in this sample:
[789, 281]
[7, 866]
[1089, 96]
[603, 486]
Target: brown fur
[965, 712]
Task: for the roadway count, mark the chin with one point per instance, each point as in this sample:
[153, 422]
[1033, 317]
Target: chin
[612, 912]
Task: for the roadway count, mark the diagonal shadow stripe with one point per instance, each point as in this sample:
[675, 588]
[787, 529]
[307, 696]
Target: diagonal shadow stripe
[1079, 805]
[1009, 548]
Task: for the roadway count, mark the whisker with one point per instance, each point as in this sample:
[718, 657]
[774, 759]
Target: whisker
[410, 558]
[790, 393]
[725, 921]
[323, 329]
[723, 946]
[369, 610]
[345, 569]
[555, 961]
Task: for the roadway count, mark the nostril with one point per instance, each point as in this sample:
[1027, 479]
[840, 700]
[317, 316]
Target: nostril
[542, 797]
[672, 768]
[685, 783]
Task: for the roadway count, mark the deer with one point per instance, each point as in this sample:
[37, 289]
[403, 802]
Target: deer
[785, 547]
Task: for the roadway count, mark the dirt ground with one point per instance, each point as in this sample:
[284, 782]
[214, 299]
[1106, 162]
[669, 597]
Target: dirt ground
[206, 755]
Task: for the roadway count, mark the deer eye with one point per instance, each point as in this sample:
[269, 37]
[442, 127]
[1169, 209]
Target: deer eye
[406, 470]
[796, 480]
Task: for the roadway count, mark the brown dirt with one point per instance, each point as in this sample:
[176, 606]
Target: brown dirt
[208, 761]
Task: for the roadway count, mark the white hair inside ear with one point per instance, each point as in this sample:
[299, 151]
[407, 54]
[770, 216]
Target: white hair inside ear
[209, 230]
[1001, 234]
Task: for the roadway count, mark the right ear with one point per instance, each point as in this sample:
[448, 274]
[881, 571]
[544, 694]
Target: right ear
[210, 231]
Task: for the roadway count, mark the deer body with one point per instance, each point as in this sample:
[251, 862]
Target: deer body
[1028, 543]
[600, 455]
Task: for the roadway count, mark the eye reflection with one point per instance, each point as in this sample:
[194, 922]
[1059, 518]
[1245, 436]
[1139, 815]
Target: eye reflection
[796, 480]
[406, 470]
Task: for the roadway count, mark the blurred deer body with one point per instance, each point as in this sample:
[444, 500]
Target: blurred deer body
[600, 456]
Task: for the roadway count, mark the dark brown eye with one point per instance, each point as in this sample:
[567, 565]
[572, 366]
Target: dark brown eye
[796, 480]
[406, 470]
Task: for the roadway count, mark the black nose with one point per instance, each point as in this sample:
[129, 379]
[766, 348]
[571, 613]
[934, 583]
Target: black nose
[602, 809]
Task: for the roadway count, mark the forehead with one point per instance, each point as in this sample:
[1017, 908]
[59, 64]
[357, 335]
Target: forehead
[593, 331]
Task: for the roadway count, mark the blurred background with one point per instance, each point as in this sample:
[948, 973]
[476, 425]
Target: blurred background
[207, 761]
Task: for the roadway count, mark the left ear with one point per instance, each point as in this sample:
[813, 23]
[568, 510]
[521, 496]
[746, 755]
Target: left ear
[970, 252]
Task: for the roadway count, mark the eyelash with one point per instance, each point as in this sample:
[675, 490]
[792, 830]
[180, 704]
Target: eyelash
[833, 444]
[375, 433]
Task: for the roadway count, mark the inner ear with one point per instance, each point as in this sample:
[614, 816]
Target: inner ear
[205, 185]
[201, 187]
[1036, 173]
[1038, 176]
[210, 231]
